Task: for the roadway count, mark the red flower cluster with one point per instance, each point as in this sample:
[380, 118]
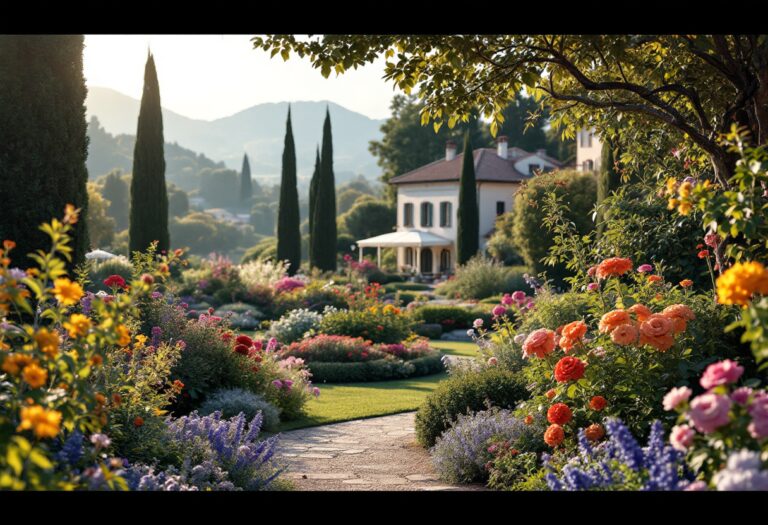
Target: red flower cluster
[569, 369]
[597, 403]
[115, 281]
[559, 414]
[554, 435]
[244, 345]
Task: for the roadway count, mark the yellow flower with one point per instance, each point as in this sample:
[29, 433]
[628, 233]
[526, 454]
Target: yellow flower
[13, 363]
[671, 184]
[125, 335]
[672, 204]
[45, 423]
[684, 208]
[373, 309]
[141, 340]
[737, 284]
[35, 376]
[78, 325]
[48, 342]
[66, 291]
[388, 309]
[685, 190]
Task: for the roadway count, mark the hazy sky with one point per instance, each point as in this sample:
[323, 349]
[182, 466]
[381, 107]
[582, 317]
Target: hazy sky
[213, 76]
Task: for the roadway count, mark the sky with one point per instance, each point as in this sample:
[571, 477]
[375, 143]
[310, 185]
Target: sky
[213, 76]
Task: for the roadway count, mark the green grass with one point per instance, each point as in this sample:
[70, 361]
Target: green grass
[457, 348]
[344, 402]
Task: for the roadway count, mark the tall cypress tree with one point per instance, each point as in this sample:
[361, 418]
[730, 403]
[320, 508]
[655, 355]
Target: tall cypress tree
[288, 233]
[246, 184]
[149, 196]
[43, 142]
[608, 180]
[312, 197]
[468, 234]
[324, 221]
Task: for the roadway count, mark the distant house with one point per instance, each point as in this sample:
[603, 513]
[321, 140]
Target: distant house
[588, 150]
[428, 200]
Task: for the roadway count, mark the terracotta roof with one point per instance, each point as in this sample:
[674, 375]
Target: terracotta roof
[489, 167]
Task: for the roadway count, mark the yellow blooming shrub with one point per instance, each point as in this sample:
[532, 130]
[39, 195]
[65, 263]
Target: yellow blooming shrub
[49, 351]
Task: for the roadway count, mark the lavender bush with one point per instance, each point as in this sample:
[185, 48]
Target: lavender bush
[232, 401]
[460, 454]
[619, 463]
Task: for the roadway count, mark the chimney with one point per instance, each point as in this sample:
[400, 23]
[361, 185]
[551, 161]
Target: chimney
[501, 147]
[541, 152]
[450, 150]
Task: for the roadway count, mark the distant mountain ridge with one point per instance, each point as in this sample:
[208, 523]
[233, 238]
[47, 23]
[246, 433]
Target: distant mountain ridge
[258, 130]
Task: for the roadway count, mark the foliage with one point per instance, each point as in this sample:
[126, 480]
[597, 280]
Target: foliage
[203, 233]
[555, 310]
[386, 369]
[450, 317]
[293, 325]
[608, 179]
[378, 324]
[430, 331]
[323, 229]
[178, 201]
[116, 191]
[98, 271]
[346, 199]
[149, 196]
[460, 454]
[501, 246]
[288, 235]
[482, 277]
[233, 401]
[464, 393]
[333, 348]
[266, 249]
[101, 227]
[368, 218]
[312, 206]
[412, 287]
[468, 215]
[262, 273]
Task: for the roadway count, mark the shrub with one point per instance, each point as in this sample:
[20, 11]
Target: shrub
[410, 287]
[431, 331]
[315, 296]
[241, 316]
[482, 277]
[292, 326]
[287, 284]
[554, 310]
[461, 452]
[232, 401]
[450, 317]
[531, 237]
[464, 393]
[376, 370]
[501, 246]
[333, 348]
[100, 270]
[262, 273]
[373, 324]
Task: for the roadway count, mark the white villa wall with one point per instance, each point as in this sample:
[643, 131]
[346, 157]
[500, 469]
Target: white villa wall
[489, 193]
[586, 152]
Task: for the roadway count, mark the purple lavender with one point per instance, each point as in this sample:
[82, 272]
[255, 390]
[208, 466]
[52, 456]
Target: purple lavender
[157, 333]
[86, 303]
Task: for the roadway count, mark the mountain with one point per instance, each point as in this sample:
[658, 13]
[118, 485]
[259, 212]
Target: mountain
[258, 131]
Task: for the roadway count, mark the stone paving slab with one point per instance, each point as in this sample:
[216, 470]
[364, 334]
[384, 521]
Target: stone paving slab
[366, 454]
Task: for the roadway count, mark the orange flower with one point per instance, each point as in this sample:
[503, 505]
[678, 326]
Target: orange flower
[44, 423]
[559, 414]
[100, 398]
[737, 284]
[14, 363]
[613, 266]
[66, 291]
[34, 375]
[566, 344]
[48, 342]
[138, 421]
[78, 325]
[554, 435]
[117, 399]
[528, 420]
[612, 320]
[640, 311]
[125, 335]
[686, 283]
[597, 403]
[594, 432]
[679, 314]
[9, 245]
[575, 330]
[625, 334]
[551, 393]
[539, 343]
[71, 214]
[657, 331]
[96, 360]
[655, 278]
[569, 369]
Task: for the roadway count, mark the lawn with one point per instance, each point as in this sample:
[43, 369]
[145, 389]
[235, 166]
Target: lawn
[343, 402]
[456, 348]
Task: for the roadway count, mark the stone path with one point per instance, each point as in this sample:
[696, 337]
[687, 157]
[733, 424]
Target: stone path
[366, 454]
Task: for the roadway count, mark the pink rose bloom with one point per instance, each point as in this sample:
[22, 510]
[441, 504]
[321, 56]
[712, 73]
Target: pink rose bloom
[507, 299]
[287, 384]
[530, 305]
[741, 395]
[645, 268]
[518, 296]
[493, 361]
[712, 239]
[315, 391]
[721, 373]
[592, 287]
[681, 437]
[758, 428]
[498, 310]
[277, 383]
[477, 323]
[696, 486]
[539, 343]
[676, 397]
[709, 412]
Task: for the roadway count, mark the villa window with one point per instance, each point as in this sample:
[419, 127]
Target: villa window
[445, 214]
[588, 165]
[408, 214]
[445, 261]
[426, 214]
[500, 207]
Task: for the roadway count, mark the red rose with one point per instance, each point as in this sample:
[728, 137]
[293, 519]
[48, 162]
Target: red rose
[138, 421]
[241, 349]
[703, 254]
[559, 414]
[569, 369]
[597, 403]
[114, 281]
[244, 340]
[554, 435]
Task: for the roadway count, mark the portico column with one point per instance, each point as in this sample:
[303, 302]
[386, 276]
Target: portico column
[378, 256]
[361, 254]
[417, 249]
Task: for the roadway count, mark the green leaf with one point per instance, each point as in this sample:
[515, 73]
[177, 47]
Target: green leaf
[13, 458]
[571, 392]
[39, 459]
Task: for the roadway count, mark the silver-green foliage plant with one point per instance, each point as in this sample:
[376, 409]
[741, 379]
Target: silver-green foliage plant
[232, 401]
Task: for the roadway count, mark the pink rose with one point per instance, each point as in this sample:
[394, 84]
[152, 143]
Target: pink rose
[518, 296]
[676, 397]
[741, 395]
[758, 428]
[477, 323]
[681, 437]
[498, 310]
[493, 361]
[539, 343]
[696, 486]
[592, 287]
[507, 299]
[645, 268]
[709, 412]
[721, 373]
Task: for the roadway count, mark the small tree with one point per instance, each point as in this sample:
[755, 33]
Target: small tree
[312, 198]
[246, 184]
[324, 214]
[468, 232]
[288, 234]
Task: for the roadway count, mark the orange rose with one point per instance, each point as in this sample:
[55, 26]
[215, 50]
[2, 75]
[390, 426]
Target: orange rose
[686, 283]
[655, 278]
[551, 393]
[566, 344]
[575, 330]
[625, 334]
[554, 435]
[613, 320]
[594, 432]
[640, 311]
[679, 314]
[613, 266]
[657, 331]
[539, 343]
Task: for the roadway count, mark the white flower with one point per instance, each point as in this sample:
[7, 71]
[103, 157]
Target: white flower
[470, 332]
[519, 339]
[100, 440]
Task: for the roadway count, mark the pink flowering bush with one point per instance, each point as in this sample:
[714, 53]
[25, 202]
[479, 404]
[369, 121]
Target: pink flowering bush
[288, 284]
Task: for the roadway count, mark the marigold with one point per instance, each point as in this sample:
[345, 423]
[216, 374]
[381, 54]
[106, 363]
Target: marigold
[679, 314]
[140, 341]
[48, 341]
[612, 320]
[44, 423]
[78, 325]
[598, 403]
[657, 331]
[539, 343]
[594, 432]
[613, 266]
[737, 284]
[559, 414]
[66, 291]
[14, 363]
[625, 334]
[685, 207]
[554, 435]
[640, 311]
[34, 375]
[125, 335]
[686, 283]
[569, 369]
[575, 330]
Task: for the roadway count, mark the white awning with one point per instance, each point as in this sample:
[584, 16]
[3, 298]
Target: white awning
[99, 254]
[405, 238]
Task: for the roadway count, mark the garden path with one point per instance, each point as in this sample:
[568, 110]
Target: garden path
[378, 453]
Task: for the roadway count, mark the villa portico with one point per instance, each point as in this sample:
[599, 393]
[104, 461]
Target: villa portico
[417, 251]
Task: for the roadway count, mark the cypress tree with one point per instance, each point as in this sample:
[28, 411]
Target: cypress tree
[246, 185]
[468, 234]
[43, 142]
[608, 180]
[312, 197]
[149, 196]
[324, 221]
[288, 234]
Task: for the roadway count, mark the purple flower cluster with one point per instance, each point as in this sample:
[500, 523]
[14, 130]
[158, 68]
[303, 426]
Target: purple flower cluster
[157, 333]
[620, 462]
